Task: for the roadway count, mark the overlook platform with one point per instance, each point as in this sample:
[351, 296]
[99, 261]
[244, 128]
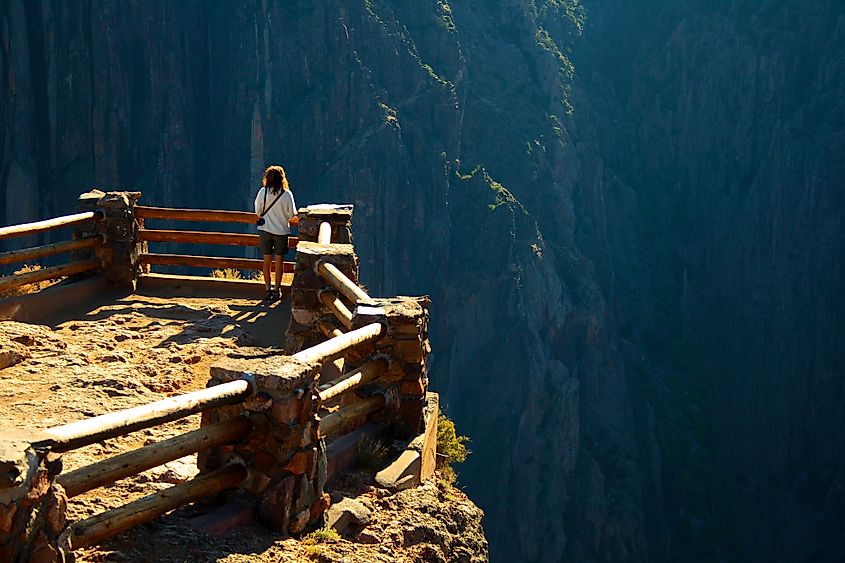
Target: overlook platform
[131, 394]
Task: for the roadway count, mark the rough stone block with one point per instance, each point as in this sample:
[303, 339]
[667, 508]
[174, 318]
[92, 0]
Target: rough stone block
[403, 473]
[299, 521]
[320, 506]
[275, 503]
[286, 412]
[278, 376]
[410, 351]
[413, 388]
[348, 516]
[305, 299]
[306, 317]
[301, 462]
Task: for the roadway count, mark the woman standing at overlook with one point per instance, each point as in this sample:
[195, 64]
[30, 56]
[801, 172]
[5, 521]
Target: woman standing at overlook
[276, 212]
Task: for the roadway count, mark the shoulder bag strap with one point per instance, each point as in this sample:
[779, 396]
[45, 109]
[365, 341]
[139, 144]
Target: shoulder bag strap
[266, 209]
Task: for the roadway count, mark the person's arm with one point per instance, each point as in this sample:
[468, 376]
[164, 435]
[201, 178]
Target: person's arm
[257, 202]
[293, 220]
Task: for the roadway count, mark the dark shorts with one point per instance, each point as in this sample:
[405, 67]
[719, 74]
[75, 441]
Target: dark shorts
[273, 244]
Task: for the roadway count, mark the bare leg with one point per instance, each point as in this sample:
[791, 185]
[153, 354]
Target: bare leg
[278, 266]
[268, 260]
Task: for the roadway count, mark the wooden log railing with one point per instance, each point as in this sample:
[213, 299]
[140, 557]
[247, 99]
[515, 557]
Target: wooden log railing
[78, 434]
[337, 307]
[118, 467]
[205, 215]
[214, 262]
[54, 272]
[201, 237]
[324, 236]
[111, 522]
[26, 229]
[339, 418]
[36, 252]
[85, 432]
[337, 346]
[343, 284]
[368, 372]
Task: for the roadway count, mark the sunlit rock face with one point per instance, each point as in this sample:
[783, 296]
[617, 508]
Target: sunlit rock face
[628, 217]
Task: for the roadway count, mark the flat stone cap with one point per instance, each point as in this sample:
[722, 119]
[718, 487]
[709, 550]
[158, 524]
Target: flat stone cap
[316, 249]
[279, 374]
[401, 307]
[328, 210]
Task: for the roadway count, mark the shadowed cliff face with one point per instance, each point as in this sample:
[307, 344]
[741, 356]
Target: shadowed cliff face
[719, 126]
[637, 308]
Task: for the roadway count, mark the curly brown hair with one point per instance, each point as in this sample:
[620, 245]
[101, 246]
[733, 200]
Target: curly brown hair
[275, 179]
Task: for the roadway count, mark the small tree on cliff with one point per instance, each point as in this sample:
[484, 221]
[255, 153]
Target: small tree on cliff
[450, 448]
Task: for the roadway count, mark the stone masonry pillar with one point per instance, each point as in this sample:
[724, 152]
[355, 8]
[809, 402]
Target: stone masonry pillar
[306, 308]
[284, 455]
[338, 216]
[406, 347]
[120, 254]
[32, 507]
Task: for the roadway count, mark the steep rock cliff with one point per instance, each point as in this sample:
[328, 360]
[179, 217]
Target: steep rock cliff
[620, 294]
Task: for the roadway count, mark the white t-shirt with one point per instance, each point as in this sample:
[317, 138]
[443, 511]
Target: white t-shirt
[276, 219]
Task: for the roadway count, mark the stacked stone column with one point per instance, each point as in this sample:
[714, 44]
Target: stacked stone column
[306, 308]
[338, 216]
[284, 455]
[406, 347]
[32, 507]
[121, 251]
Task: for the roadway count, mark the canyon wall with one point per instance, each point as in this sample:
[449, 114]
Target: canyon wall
[628, 217]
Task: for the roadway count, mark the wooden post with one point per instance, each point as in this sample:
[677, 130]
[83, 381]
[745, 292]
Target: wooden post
[335, 420]
[36, 252]
[97, 528]
[17, 280]
[364, 374]
[342, 283]
[77, 434]
[115, 468]
[336, 306]
[335, 347]
[48, 224]
[325, 234]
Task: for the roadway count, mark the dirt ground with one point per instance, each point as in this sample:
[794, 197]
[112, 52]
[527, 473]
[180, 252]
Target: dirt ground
[141, 348]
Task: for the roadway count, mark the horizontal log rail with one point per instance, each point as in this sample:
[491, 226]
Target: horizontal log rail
[214, 262]
[85, 432]
[328, 329]
[54, 272]
[343, 284]
[205, 215]
[37, 252]
[200, 237]
[368, 372]
[337, 346]
[121, 466]
[330, 423]
[112, 522]
[336, 306]
[25, 229]
[204, 237]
